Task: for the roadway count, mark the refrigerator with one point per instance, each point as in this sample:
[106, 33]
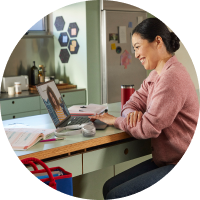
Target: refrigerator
[116, 29]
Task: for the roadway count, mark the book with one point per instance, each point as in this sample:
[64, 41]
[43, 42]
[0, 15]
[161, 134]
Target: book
[87, 110]
[24, 138]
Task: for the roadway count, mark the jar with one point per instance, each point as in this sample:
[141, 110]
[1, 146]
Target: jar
[52, 78]
[18, 89]
[47, 79]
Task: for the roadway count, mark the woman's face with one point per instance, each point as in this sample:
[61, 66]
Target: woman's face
[146, 52]
[54, 101]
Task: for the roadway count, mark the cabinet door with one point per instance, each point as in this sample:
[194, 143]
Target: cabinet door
[20, 105]
[74, 98]
[19, 115]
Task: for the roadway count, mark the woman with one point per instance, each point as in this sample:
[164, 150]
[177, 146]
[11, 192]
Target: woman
[165, 109]
[55, 104]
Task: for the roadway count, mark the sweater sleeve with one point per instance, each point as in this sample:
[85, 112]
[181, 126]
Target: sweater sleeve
[167, 100]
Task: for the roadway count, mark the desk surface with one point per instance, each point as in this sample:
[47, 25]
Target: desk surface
[70, 144]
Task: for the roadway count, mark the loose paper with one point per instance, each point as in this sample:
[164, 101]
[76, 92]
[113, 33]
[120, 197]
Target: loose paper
[140, 19]
[113, 46]
[122, 34]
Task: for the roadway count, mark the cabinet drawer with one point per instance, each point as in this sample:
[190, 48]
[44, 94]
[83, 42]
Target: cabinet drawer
[42, 106]
[20, 105]
[19, 115]
[105, 157]
[73, 98]
[72, 164]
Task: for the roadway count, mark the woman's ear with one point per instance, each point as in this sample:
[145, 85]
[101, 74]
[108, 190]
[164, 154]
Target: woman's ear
[159, 41]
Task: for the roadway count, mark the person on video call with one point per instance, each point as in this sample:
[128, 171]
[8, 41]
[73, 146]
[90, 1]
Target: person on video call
[165, 109]
[55, 104]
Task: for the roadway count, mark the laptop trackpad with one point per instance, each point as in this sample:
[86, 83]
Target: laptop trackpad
[99, 124]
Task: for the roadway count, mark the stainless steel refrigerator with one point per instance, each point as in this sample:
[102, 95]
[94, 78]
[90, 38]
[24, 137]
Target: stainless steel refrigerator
[113, 73]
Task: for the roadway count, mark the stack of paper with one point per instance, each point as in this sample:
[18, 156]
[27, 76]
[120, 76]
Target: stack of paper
[91, 109]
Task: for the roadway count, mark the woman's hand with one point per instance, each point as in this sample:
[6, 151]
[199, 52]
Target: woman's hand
[133, 118]
[106, 118]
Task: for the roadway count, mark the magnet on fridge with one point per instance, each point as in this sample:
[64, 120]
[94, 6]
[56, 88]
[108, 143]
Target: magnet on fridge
[118, 50]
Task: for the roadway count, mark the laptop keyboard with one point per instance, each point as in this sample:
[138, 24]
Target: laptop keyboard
[78, 120]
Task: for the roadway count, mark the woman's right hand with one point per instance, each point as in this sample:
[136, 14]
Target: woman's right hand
[133, 118]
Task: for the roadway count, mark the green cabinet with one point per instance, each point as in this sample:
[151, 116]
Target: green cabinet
[29, 106]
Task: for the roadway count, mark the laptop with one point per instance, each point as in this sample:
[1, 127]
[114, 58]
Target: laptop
[58, 110]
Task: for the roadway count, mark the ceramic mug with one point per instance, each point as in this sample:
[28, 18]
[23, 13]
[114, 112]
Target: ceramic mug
[11, 91]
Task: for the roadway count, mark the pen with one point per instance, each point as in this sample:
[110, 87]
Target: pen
[54, 139]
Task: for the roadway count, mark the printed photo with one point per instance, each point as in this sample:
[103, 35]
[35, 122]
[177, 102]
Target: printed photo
[113, 36]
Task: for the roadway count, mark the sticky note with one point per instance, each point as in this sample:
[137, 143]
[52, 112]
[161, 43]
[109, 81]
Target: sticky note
[130, 24]
[72, 48]
[73, 31]
[64, 39]
[113, 46]
[74, 43]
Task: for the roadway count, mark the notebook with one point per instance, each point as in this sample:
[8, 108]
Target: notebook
[57, 108]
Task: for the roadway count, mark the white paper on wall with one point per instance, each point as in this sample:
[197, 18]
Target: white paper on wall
[122, 34]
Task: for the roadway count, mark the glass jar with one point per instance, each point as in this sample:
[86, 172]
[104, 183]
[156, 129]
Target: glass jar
[18, 89]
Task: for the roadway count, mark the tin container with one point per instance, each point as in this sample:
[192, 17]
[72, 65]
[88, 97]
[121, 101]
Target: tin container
[126, 92]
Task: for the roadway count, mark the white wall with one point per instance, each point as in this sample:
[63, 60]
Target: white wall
[76, 68]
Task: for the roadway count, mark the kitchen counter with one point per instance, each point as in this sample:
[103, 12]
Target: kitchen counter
[25, 94]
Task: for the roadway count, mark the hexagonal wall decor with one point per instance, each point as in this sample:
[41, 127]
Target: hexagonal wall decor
[64, 55]
[63, 39]
[73, 29]
[73, 46]
[59, 23]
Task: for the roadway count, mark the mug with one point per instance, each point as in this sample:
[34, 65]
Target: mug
[126, 92]
[11, 91]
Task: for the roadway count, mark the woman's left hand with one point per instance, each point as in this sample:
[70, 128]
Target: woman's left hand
[106, 118]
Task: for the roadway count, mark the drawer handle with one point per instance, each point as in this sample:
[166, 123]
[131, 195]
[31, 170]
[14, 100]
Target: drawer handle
[14, 117]
[13, 102]
[126, 151]
[63, 95]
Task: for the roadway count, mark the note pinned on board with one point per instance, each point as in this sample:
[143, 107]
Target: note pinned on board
[113, 46]
[74, 43]
[122, 34]
[140, 19]
[130, 25]
[72, 48]
[73, 31]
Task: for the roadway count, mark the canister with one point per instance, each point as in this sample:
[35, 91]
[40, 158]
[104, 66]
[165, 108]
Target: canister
[18, 89]
[126, 92]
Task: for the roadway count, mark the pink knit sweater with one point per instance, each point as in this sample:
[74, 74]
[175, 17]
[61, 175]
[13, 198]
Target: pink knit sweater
[170, 108]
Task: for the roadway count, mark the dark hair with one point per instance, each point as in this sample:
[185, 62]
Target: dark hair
[49, 90]
[152, 27]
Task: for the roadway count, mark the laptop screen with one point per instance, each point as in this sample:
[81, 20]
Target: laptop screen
[53, 102]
